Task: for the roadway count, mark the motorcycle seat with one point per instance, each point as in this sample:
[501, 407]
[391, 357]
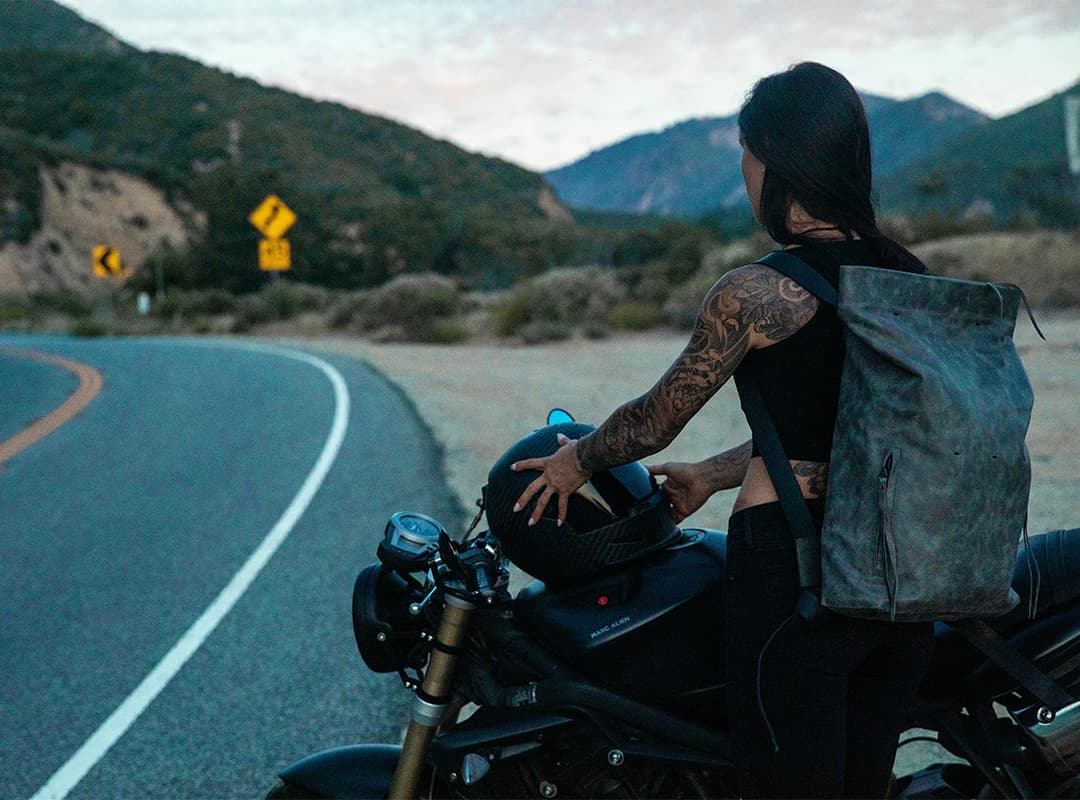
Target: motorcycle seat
[1055, 576]
[1048, 639]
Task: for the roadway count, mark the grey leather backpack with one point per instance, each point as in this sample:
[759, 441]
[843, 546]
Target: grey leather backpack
[929, 473]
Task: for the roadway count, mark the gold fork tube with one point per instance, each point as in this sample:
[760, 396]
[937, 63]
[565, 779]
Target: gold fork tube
[431, 699]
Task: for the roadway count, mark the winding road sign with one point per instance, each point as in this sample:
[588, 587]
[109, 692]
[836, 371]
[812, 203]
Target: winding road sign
[107, 262]
[272, 217]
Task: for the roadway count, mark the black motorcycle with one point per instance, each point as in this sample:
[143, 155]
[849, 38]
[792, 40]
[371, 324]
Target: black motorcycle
[613, 686]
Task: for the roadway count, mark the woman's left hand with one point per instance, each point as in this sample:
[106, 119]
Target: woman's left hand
[560, 474]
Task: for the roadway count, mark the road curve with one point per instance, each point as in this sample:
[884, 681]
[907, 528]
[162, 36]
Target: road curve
[87, 389]
[121, 528]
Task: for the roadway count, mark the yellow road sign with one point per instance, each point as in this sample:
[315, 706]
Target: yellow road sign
[272, 217]
[107, 262]
[274, 254]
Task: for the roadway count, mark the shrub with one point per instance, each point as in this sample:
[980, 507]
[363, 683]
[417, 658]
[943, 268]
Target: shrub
[253, 309]
[635, 315]
[286, 299]
[596, 329]
[682, 307]
[180, 303]
[63, 301]
[14, 309]
[567, 296]
[202, 325]
[546, 330]
[446, 331]
[91, 327]
[349, 309]
[411, 301]
[514, 313]
[410, 308]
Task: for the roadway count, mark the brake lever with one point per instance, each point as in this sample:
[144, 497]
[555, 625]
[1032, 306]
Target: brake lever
[449, 552]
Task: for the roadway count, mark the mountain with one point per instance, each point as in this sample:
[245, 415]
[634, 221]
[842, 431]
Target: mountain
[45, 25]
[374, 197]
[1014, 169]
[692, 168]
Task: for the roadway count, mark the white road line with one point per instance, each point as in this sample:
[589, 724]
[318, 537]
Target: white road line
[94, 749]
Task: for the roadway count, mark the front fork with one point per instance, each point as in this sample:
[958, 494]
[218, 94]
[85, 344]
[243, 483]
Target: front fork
[432, 697]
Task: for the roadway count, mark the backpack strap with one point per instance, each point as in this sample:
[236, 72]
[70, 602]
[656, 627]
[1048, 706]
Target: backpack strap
[807, 539]
[791, 266]
[1011, 661]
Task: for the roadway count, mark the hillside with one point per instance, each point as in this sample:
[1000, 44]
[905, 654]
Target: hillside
[692, 168]
[1012, 170]
[375, 198]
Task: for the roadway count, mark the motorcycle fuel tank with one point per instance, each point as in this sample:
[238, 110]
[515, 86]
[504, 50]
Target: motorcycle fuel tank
[652, 627]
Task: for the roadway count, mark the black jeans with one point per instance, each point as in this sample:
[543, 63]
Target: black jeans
[834, 695]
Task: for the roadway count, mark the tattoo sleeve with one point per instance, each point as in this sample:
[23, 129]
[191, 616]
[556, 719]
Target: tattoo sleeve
[729, 468]
[816, 476]
[752, 304]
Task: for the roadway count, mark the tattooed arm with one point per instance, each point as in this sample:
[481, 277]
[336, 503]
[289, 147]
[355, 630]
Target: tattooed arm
[689, 486]
[749, 307]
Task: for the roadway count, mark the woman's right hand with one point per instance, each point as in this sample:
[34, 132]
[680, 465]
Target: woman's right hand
[686, 486]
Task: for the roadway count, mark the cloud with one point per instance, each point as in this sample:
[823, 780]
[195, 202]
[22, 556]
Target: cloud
[543, 82]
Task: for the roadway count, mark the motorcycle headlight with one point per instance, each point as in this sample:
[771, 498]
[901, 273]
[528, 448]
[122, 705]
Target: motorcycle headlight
[386, 634]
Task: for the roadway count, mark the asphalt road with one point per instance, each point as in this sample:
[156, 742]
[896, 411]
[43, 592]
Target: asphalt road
[120, 528]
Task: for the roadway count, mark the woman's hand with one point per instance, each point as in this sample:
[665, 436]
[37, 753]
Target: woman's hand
[560, 474]
[687, 486]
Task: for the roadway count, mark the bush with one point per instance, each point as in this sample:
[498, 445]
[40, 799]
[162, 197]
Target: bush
[596, 329]
[63, 301]
[635, 315]
[411, 301]
[14, 309]
[92, 327]
[682, 307]
[197, 302]
[349, 309]
[546, 330]
[280, 300]
[286, 299]
[446, 331]
[568, 297]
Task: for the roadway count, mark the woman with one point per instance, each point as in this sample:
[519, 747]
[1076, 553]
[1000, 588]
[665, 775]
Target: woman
[814, 711]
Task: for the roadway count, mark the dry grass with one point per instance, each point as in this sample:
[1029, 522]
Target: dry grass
[1045, 264]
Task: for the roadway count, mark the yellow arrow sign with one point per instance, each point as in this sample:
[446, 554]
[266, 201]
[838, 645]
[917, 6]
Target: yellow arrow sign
[107, 262]
[272, 217]
[274, 255]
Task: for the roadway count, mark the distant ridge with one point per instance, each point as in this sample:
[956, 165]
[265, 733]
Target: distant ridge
[692, 168]
[1013, 170]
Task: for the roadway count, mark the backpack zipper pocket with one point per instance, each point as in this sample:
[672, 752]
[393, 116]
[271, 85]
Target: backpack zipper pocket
[886, 547]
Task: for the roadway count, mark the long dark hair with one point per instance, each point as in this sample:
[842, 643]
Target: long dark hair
[808, 127]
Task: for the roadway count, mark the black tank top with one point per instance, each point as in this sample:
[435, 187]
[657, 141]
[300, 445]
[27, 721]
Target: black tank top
[799, 377]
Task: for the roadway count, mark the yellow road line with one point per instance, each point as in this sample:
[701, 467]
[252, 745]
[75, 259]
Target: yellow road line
[89, 386]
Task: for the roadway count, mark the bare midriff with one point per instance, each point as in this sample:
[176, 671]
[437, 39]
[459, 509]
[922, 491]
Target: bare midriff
[757, 488]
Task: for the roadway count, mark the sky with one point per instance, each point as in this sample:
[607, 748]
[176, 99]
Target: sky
[542, 83]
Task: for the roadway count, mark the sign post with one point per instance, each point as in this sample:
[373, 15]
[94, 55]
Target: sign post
[1072, 131]
[273, 218]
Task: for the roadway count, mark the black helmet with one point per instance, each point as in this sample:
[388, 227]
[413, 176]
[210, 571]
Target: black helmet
[619, 515]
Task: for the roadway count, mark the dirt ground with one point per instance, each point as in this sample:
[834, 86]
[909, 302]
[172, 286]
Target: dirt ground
[480, 399]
